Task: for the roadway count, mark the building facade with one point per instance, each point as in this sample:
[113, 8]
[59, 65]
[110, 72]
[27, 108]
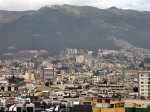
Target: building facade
[144, 83]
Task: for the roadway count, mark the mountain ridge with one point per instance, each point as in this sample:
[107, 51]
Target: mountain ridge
[58, 27]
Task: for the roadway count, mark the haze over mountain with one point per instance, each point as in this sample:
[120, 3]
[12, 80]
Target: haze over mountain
[60, 26]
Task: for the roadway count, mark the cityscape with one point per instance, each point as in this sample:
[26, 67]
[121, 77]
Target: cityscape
[76, 80]
[74, 56]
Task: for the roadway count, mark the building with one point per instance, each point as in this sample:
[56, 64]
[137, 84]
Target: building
[26, 87]
[48, 74]
[136, 103]
[8, 90]
[79, 59]
[115, 88]
[103, 102]
[130, 75]
[29, 76]
[144, 83]
[96, 79]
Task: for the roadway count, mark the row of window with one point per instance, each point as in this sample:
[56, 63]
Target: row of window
[106, 100]
[145, 78]
[145, 82]
[145, 89]
[147, 75]
[145, 86]
[9, 88]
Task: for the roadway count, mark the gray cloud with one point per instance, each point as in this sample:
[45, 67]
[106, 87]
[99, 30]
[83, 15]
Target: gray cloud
[36, 4]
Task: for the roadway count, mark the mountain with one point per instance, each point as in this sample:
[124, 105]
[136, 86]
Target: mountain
[10, 16]
[60, 26]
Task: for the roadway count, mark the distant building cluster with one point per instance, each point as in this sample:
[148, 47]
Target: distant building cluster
[76, 79]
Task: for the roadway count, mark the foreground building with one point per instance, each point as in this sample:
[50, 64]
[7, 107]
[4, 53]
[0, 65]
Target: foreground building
[144, 83]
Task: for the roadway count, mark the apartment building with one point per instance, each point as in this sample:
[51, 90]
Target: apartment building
[144, 83]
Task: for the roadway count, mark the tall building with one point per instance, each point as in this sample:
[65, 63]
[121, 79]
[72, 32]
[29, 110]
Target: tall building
[144, 83]
[48, 74]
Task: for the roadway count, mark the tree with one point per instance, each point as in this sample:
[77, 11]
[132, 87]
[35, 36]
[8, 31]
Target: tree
[143, 98]
[15, 80]
[135, 89]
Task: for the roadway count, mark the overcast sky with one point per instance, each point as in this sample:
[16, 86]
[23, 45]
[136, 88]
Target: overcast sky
[142, 5]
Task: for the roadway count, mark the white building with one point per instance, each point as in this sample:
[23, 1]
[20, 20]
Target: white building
[79, 59]
[144, 83]
[96, 79]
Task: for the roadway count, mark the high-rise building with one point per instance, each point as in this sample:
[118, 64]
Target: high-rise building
[144, 83]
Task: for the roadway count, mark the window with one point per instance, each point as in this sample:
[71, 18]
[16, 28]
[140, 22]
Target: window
[142, 82]
[99, 100]
[87, 103]
[19, 109]
[107, 101]
[16, 88]
[9, 88]
[29, 109]
[2, 88]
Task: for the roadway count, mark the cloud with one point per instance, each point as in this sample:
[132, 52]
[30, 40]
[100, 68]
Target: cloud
[143, 5]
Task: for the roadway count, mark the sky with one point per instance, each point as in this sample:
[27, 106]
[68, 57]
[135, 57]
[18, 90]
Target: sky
[19, 5]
